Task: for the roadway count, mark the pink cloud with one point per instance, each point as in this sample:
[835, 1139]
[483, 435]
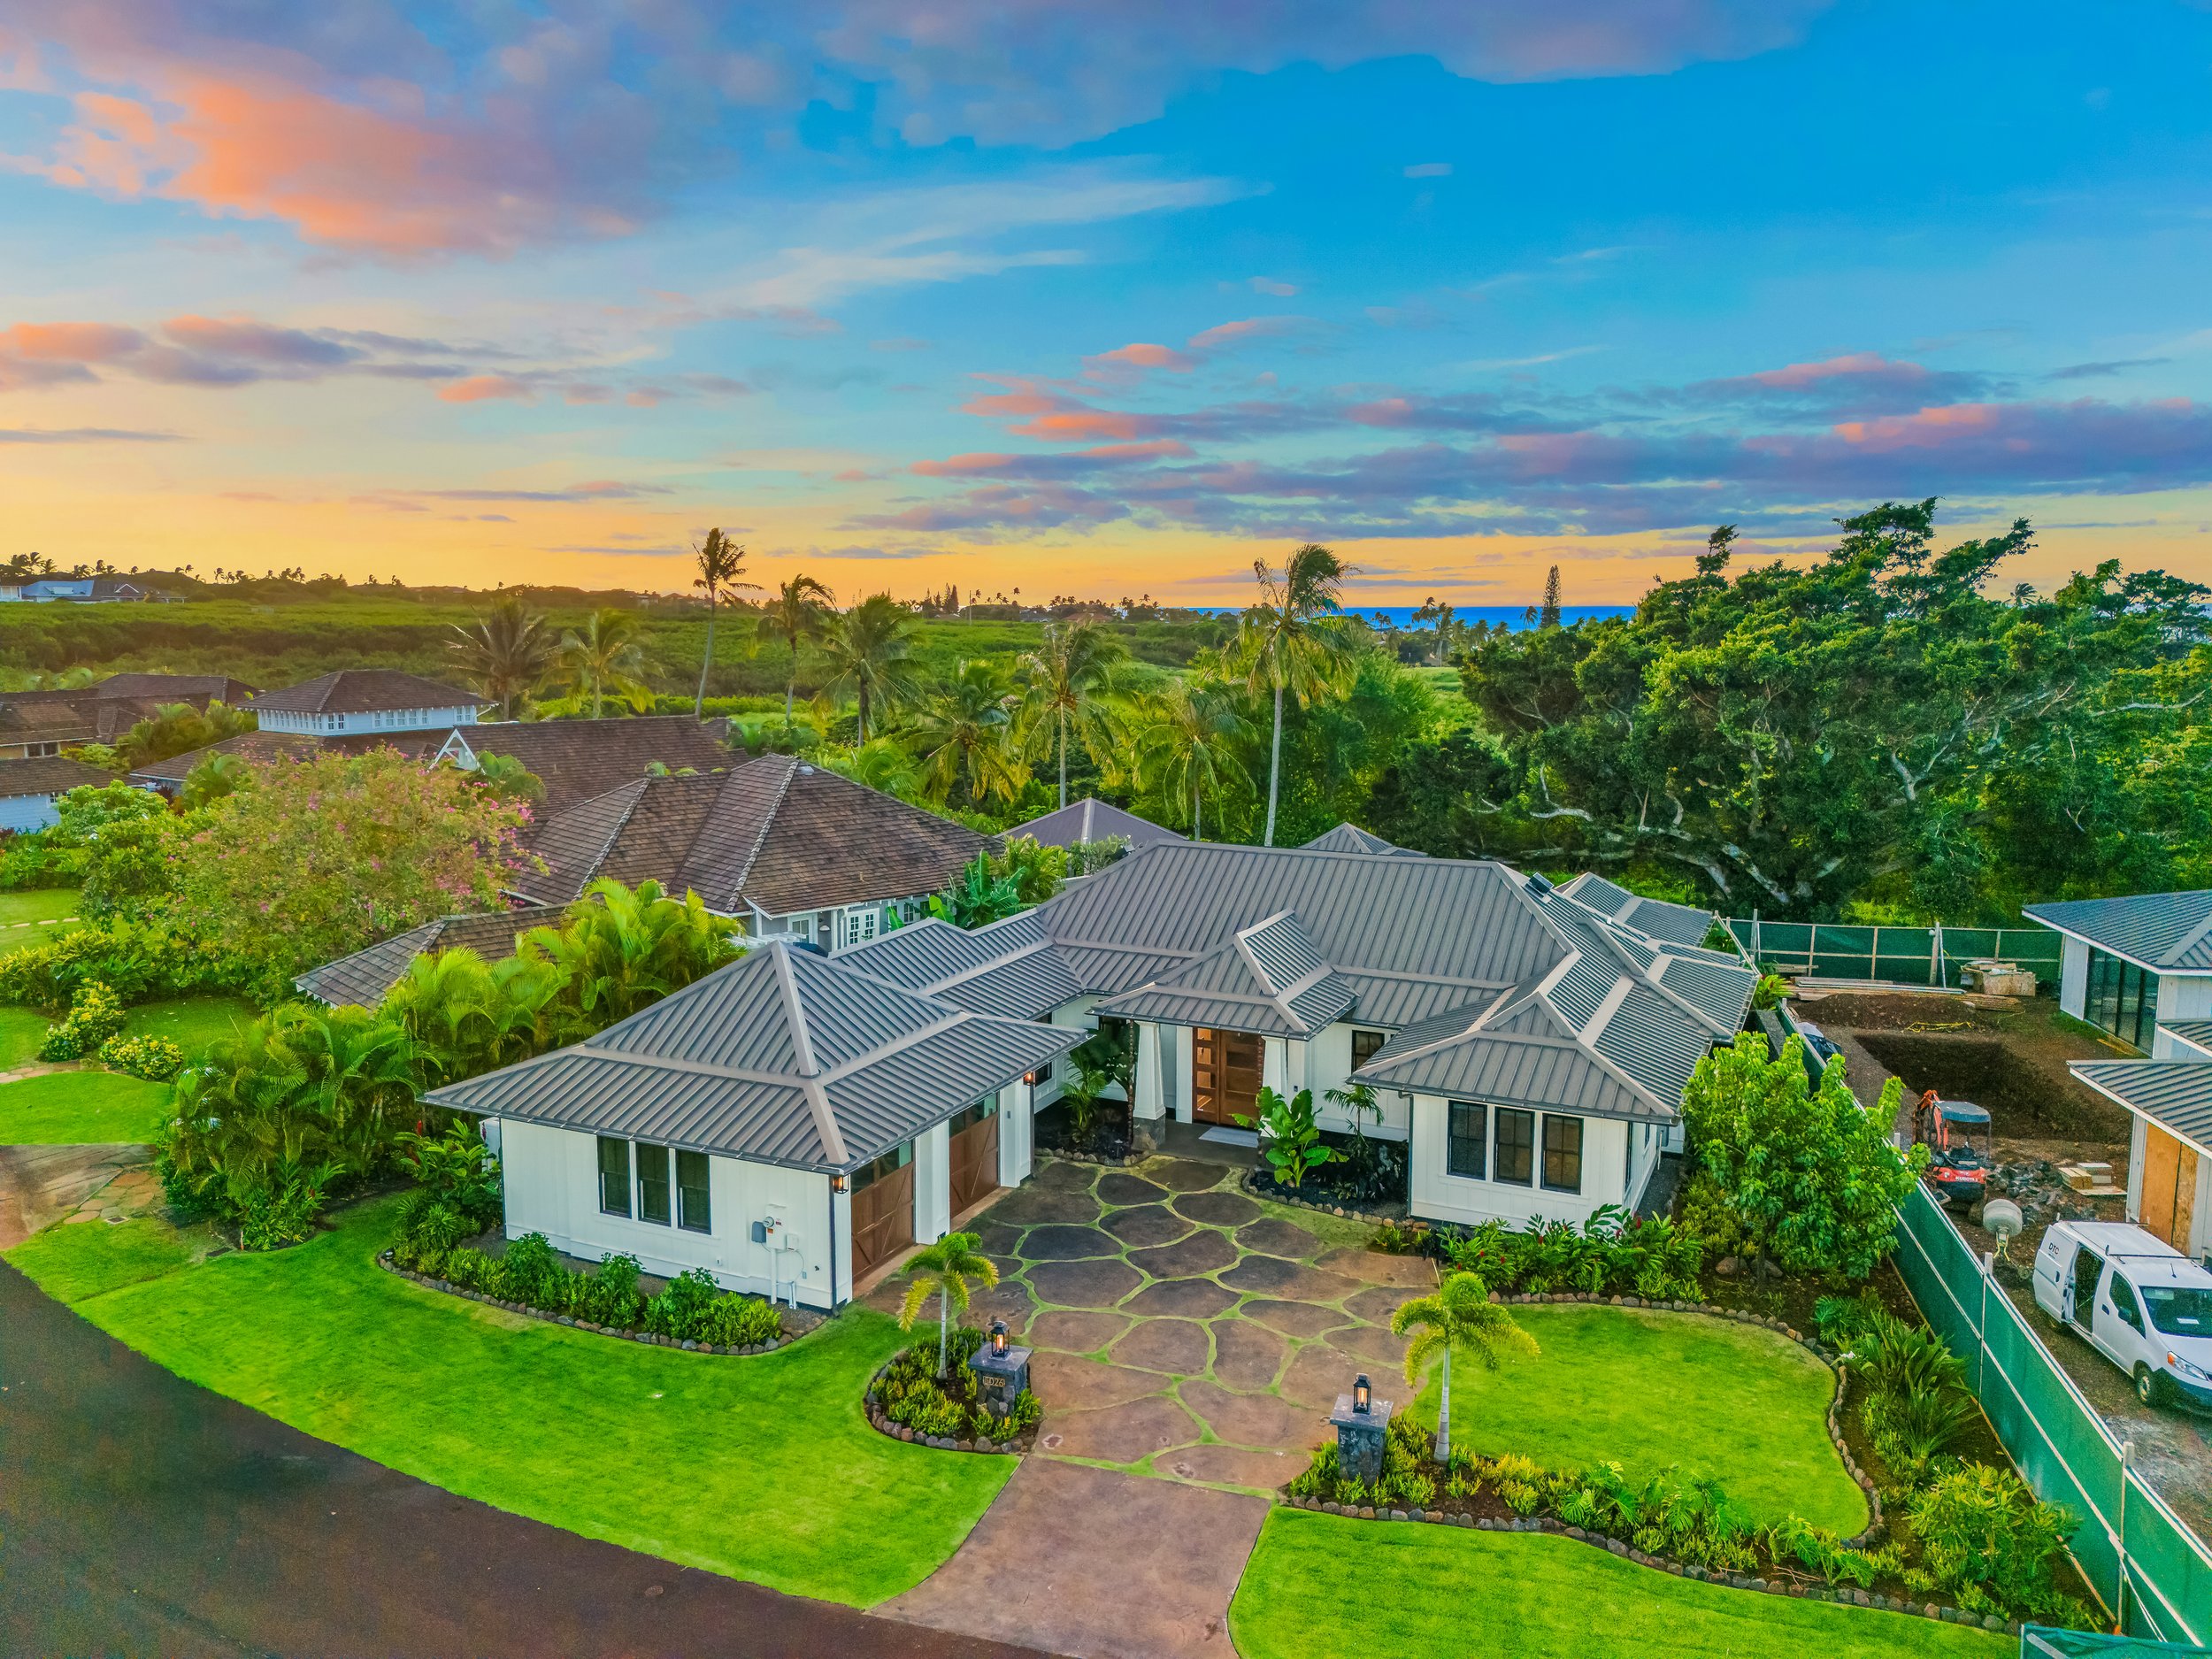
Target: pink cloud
[1244, 328]
[1142, 356]
[1796, 376]
[478, 388]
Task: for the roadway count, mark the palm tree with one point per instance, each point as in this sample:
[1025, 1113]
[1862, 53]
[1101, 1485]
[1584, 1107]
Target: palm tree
[604, 658]
[1288, 643]
[1188, 746]
[622, 948]
[505, 655]
[1459, 1316]
[869, 650]
[944, 1271]
[212, 779]
[1068, 679]
[796, 613]
[963, 738]
[720, 564]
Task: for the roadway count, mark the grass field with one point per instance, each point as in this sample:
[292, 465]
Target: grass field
[24, 916]
[762, 1468]
[1321, 1588]
[72, 1109]
[190, 1022]
[1735, 1403]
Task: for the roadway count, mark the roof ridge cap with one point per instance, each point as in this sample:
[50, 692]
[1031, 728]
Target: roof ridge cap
[2173, 954]
[767, 819]
[809, 1072]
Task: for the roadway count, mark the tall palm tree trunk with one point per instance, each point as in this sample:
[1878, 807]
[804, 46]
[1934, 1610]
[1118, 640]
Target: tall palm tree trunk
[699, 702]
[1063, 757]
[1444, 1414]
[791, 686]
[1274, 765]
[944, 1327]
[1197, 813]
[862, 732]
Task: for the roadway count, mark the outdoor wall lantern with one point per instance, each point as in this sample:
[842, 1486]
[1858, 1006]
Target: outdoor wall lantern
[1362, 1423]
[839, 1183]
[998, 1337]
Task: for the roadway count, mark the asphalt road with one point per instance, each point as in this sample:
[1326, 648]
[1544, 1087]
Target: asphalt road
[141, 1515]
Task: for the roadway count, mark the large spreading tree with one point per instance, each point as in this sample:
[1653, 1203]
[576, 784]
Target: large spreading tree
[1888, 723]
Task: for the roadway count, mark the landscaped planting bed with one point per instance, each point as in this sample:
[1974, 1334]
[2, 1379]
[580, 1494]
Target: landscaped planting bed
[766, 1471]
[908, 1399]
[1319, 1586]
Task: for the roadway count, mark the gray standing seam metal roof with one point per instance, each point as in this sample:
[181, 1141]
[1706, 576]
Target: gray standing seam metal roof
[2175, 1094]
[2171, 932]
[1091, 819]
[2196, 1033]
[1473, 956]
[1349, 838]
[1676, 923]
[782, 1058]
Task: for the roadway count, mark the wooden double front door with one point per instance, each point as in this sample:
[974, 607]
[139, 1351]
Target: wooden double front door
[1224, 1075]
[2169, 1187]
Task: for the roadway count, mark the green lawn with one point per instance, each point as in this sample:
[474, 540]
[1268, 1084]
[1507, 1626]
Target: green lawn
[191, 1022]
[1736, 1402]
[81, 1109]
[21, 911]
[21, 1031]
[762, 1468]
[1321, 1588]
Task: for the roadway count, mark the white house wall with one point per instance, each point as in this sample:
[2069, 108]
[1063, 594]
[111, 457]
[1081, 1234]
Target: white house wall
[1439, 1195]
[2073, 976]
[2185, 996]
[552, 1187]
[1017, 1134]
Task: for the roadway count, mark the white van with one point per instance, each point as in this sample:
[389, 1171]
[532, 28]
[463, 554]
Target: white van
[2139, 1301]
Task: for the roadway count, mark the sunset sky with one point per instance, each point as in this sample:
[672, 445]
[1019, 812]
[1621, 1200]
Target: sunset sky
[1102, 299]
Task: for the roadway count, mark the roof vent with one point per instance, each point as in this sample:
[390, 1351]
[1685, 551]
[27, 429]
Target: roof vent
[1537, 884]
[806, 772]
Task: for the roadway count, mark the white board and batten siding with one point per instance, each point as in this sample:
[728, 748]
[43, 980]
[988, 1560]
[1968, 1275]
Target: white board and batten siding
[552, 1182]
[1616, 1164]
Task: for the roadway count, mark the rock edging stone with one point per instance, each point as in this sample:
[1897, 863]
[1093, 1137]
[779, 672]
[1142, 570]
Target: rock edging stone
[1661, 1563]
[1250, 1182]
[623, 1333]
[882, 1425]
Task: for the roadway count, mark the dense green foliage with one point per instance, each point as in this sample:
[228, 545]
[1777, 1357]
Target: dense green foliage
[1612, 1253]
[1802, 1175]
[95, 1015]
[1874, 727]
[943, 1400]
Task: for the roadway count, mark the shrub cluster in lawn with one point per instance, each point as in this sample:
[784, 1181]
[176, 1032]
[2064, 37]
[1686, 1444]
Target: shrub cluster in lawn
[1611, 1254]
[30, 859]
[692, 1308]
[1983, 1537]
[1671, 1513]
[157, 1059]
[136, 961]
[949, 1406]
[96, 1014]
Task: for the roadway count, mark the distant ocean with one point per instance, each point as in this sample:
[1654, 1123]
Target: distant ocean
[1496, 615]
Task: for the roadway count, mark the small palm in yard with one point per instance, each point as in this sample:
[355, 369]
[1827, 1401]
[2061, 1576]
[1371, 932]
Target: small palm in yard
[947, 1270]
[1459, 1318]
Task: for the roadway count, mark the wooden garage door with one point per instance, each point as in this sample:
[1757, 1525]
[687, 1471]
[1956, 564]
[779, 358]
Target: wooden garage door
[974, 1149]
[1224, 1074]
[2169, 1186]
[883, 1214]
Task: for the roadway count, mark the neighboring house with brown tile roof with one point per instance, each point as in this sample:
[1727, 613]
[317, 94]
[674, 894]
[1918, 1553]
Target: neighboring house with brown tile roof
[35, 723]
[789, 848]
[166, 777]
[577, 759]
[29, 789]
[356, 700]
[366, 976]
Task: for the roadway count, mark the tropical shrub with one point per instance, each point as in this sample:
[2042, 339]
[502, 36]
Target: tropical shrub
[912, 1392]
[1916, 1404]
[456, 1169]
[157, 1059]
[1989, 1542]
[1612, 1253]
[283, 1208]
[95, 1015]
[137, 961]
[1289, 1138]
[36, 860]
[692, 1308]
[1808, 1177]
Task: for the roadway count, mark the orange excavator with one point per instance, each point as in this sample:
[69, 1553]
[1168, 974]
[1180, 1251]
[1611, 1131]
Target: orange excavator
[1957, 1133]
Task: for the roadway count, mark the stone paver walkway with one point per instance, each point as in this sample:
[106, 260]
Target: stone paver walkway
[1183, 1329]
[41, 1185]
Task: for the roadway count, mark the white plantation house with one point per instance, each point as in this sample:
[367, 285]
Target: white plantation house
[808, 1119]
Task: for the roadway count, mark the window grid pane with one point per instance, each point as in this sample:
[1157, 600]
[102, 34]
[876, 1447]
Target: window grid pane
[1467, 1135]
[1562, 1153]
[614, 1177]
[1517, 1146]
[652, 1184]
[693, 1209]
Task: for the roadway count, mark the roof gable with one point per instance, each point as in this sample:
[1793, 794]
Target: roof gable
[363, 691]
[1349, 838]
[1091, 819]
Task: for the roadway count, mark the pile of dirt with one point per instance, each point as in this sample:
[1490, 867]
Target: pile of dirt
[2025, 1101]
[1854, 1010]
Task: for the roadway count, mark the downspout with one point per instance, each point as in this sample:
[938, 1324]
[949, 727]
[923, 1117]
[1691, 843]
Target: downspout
[832, 1185]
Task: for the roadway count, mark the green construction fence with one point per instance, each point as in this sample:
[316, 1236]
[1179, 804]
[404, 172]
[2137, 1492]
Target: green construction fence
[1902, 956]
[2147, 1566]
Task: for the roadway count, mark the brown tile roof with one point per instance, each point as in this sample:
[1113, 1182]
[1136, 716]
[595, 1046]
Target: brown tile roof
[362, 691]
[775, 832]
[197, 689]
[577, 759]
[266, 745]
[366, 976]
[48, 720]
[49, 774]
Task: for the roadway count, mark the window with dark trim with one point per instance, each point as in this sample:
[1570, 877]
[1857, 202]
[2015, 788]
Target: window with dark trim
[890, 1164]
[652, 1184]
[1562, 1153]
[987, 1107]
[1366, 1044]
[614, 1177]
[1466, 1139]
[1516, 1162]
[694, 1210]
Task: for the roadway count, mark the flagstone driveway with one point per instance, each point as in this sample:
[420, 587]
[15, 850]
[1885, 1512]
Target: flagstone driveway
[1183, 1329]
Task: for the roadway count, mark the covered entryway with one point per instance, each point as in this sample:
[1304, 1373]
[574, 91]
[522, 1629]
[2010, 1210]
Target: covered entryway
[2169, 1187]
[883, 1209]
[1224, 1074]
[973, 1152]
